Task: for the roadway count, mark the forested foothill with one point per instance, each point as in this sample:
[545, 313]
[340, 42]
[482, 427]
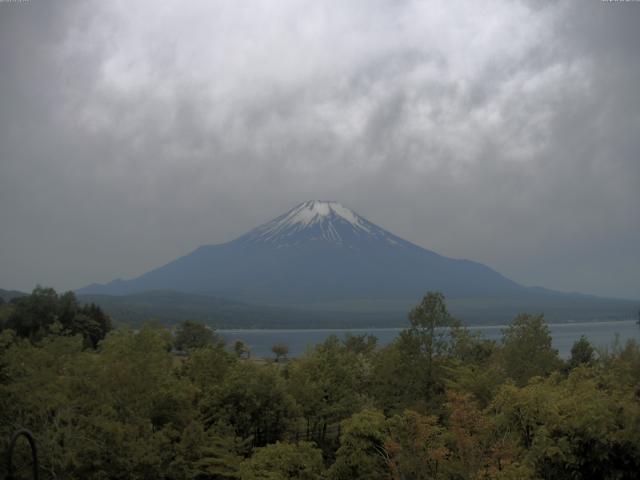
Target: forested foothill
[437, 403]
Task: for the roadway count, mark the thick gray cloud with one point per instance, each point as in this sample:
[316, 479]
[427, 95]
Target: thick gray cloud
[502, 131]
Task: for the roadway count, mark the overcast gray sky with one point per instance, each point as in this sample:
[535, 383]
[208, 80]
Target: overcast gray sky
[506, 132]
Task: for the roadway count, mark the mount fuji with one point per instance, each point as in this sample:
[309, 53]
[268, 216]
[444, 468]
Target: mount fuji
[319, 250]
[323, 255]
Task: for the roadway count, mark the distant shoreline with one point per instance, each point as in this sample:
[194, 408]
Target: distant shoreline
[473, 326]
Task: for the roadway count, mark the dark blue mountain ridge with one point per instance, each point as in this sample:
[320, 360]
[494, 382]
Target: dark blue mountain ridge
[320, 251]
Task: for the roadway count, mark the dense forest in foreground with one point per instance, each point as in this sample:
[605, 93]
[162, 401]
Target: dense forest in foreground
[438, 403]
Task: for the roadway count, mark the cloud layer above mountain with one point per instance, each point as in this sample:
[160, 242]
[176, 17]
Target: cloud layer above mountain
[507, 132]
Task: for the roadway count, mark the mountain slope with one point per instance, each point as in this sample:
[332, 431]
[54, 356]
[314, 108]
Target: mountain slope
[321, 264]
[318, 251]
[7, 295]
[171, 308]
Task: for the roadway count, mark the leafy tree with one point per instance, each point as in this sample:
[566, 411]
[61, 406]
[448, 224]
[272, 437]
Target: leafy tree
[411, 372]
[284, 461]
[140, 381]
[360, 344]
[408, 445]
[573, 428]
[207, 367]
[83, 406]
[417, 446]
[281, 350]
[34, 394]
[241, 349]
[393, 379]
[254, 400]
[5, 313]
[428, 320]
[582, 353]
[469, 429]
[101, 324]
[477, 448]
[44, 312]
[327, 384]
[527, 349]
[192, 335]
[207, 453]
[471, 348]
[363, 452]
[474, 365]
[35, 314]
[621, 367]
[88, 328]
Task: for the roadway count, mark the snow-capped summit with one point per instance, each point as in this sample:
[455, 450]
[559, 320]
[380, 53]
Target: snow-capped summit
[315, 211]
[319, 220]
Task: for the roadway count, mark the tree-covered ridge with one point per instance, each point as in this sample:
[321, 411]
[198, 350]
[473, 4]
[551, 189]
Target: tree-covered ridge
[435, 404]
[44, 312]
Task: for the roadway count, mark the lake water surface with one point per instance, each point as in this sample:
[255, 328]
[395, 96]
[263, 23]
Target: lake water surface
[600, 334]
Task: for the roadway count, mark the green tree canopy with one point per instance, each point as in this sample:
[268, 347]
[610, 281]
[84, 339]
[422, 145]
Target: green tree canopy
[192, 335]
[362, 453]
[133, 409]
[360, 344]
[328, 385]
[411, 372]
[44, 312]
[281, 350]
[241, 349]
[254, 400]
[582, 353]
[284, 461]
[427, 332]
[527, 349]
